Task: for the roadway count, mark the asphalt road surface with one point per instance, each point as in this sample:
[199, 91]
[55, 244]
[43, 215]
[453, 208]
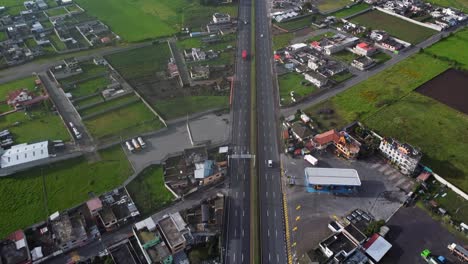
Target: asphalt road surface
[237, 238]
[272, 229]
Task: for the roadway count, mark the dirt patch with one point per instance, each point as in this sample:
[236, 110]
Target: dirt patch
[448, 88]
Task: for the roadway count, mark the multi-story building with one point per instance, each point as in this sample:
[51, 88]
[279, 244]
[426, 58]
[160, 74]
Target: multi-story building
[316, 79]
[173, 228]
[405, 156]
[221, 18]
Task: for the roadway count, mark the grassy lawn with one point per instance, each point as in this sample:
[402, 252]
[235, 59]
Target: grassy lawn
[453, 202]
[329, 5]
[292, 82]
[108, 104]
[14, 10]
[396, 27]
[56, 11]
[68, 183]
[321, 36]
[58, 44]
[297, 23]
[460, 4]
[6, 88]
[381, 57]
[178, 107]
[72, 8]
[450, 47]
[137, 20]
[282, 40]
[341, 77]
[89, 87]
[350, 11]
[89, 70]
[148, 191]
[3, 36]
[141, 62]
[345, 56]
[90, 100]
[31, 43]
[127, 121]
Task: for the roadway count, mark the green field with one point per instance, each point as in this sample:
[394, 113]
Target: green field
[292, 82]
[148, 191]
[142, 62]
[137, 20]
[67, 183]
[109, 104]
[282, 40]
[459, 4]
[57, 11]
[178, 107]
[350, 11]
[6, 88]
[127, 121]
[345, 56]
[90, 70]
[90, 100]
[298, 23]
[396, 27]
[451, 47]
[89, 87]
[381, 57]
[3, 36]
[329, 5]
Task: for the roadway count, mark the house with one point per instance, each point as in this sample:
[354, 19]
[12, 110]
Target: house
[321, 141]
[172, 69]
[301, 131]
[316, 79]
[333, 68]
[19, 96]
[391, 45]
[376, 247]
[14, 249]
[172, 229]
[364, 49]
[219, 18]
[149, 238]
[199, 72]
[41, 4]
[198, 54]
[405, 156]
[315, 64]
[37, 28]
[338, 43]
[363, 63]
[378, 35]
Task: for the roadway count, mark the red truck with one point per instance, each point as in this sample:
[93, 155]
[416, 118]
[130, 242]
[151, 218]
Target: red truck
[244, 55]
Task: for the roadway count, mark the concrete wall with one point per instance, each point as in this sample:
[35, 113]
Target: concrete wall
[451, 186]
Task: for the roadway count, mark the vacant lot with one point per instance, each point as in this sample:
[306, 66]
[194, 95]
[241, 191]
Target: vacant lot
[450, 48]
[109, 104]
[90, 71]
[282, 40]
[396, 27]
[299, 22]
[137, 20]
[31, 196]
[350, 11]
[141, 63]
[448, 88]
[292, 82]
[148, 191]
[330, 5]
[124, 122]
[177, 107]
[89, 87]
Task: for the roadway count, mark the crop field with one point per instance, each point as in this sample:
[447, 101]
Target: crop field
[126, 121]
[142, 62]
[31, 196]
[148, 191]
[330, 5]
[89, 87]
[350, 11]
[396, 27]
[137, 20]
[292, 82]
[177, 107]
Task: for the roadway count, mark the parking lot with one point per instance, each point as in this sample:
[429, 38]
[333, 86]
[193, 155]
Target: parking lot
[411, 231]
[380, 195]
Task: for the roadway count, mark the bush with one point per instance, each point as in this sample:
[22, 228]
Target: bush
[374, 227]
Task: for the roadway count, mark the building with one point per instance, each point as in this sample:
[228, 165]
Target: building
[212, 178]
[338, 43]
[363, 63]
[316, 79]
[347, 146]
[199, 72]
[204, 169]
[322, 141]
[376, 247]
[24, 153]
[391, 44]
[219, 18]
[378, 35]
[301, 131]
[172, 69]
[19, 96]
[331, 180]
[405, 156]
[337, 245]
[364, 49]
[14, 249]
[173, 228]
[151, 243]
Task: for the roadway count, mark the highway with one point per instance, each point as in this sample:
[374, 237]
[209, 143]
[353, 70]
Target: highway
[237, 236]
[272, 228]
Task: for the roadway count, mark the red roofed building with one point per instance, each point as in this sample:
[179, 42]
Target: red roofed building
[423, 176]
[24, 98]
[14, 249]
[364, 49]
[94, 205]
[376, 247]
[325, 139]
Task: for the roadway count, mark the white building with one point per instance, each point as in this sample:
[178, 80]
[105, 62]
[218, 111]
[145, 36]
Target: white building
[24, 153]
[403, 155]
[316, 79]
[219, 18]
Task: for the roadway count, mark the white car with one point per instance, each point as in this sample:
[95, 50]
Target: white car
[270, 163]
[261, 35]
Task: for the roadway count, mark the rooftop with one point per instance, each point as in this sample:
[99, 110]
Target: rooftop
[68, 228]
[14, 249]
[377, 247]
[404, 148]
[327, 137]
[332, 176]
[170, 230]
[338, 242]
[23, 153]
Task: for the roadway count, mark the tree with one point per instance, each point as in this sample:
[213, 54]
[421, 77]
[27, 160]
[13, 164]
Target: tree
[307, 6]
[374, 227]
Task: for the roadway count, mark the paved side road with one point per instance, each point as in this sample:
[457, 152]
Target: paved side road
[366, 75]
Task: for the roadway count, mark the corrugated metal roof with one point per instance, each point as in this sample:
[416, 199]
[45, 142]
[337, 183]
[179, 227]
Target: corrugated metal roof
[25, 153]
[332, 176]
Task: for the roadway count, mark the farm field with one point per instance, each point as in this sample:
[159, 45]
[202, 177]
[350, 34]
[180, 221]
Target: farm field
[330, 5]
[67, 184]
[142, 62]
[138, 20]
[3, 36]
[291, 82]
[178, 107]
[350, 11]
[396, 27]
[450, 48]
[148, 191]
[126, 121]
